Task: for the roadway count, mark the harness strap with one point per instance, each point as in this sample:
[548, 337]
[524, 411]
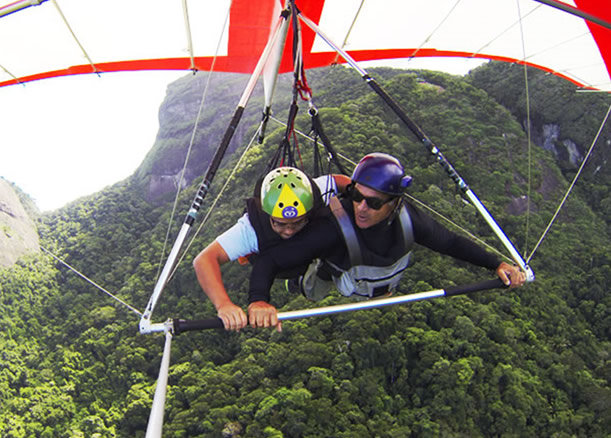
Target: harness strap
[349, 234]
[352, 242]
[406, 228]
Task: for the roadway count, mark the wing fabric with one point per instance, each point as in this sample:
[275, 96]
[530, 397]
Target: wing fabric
[151, 35]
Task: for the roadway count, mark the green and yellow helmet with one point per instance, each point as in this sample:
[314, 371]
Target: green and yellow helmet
[286, 192]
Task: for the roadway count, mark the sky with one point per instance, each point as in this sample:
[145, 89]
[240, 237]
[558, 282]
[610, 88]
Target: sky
[68, 137]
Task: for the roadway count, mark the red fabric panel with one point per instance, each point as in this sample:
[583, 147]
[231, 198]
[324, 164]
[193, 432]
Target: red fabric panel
[237, 64]
[250, 24]
[602, 35]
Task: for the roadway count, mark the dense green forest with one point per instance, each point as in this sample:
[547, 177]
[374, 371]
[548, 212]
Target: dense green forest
[532, 362]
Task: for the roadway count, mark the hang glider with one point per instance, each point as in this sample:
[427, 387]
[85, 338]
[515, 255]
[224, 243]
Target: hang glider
[52, 38]
[45, 39]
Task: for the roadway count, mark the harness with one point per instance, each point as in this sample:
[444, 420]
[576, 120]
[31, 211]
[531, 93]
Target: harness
[362, 279]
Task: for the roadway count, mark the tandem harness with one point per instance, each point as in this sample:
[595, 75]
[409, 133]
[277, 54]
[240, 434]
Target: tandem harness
[359, 279]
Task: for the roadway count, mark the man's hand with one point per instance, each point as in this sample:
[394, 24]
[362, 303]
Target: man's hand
[233, 316]
[262, 314]
[511, 275]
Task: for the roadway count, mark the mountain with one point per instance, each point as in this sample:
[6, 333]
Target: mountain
[18, 233]
[529, 362]
[563, 120]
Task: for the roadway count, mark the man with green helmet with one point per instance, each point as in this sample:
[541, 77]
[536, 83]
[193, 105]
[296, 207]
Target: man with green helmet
[282, 207]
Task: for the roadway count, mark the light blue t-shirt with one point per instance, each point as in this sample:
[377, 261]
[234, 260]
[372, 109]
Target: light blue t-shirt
[241, 239]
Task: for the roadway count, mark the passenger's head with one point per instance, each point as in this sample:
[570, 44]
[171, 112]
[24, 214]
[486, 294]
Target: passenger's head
[378, 181]
[287, 197]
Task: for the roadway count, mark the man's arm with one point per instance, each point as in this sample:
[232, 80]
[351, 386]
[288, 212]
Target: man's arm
[435, 236]
[316, 240]
[207, 267]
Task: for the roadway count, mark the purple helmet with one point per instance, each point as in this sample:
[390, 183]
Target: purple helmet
[381, 172]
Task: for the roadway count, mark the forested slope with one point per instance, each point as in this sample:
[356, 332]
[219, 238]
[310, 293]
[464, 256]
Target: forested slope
[526, 363]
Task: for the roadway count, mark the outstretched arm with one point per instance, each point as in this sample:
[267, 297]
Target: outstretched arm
[207, 267]
[436, 237]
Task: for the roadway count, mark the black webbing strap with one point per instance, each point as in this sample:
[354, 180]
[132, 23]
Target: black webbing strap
[348, 232]
[406, 228]
[320, 133]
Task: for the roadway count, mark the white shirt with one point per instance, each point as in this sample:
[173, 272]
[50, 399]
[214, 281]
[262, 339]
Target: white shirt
[241, 239]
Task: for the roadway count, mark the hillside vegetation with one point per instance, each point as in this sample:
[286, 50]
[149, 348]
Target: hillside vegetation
[531, 362]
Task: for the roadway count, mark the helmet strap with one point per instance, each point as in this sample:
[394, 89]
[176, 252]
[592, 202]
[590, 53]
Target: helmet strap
[395, 211]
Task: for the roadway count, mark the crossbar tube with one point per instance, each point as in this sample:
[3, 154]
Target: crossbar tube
[181, 325]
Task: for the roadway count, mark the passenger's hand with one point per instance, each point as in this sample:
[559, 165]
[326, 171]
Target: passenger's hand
[262, 314]
[233, 316]
[511, 275]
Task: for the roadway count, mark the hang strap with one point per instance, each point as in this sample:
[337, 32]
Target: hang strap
[348, 232]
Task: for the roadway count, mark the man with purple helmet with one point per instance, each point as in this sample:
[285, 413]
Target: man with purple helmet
[363, 248]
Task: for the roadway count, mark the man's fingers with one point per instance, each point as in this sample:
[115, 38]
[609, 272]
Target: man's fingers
[506, 278]
[263, 318]
[234, 320]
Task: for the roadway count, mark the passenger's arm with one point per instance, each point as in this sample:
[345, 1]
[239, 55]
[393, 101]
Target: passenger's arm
[316, 240]
[207, 267]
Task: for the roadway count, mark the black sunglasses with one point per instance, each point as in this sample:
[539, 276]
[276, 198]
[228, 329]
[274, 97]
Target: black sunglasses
[371, 201]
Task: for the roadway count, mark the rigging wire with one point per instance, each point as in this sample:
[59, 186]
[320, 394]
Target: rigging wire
[10, 74]
[583, 163]
[519, 22]
[218, 197]
[565, 42]
[428, 38]
[528, 134]
[458, 227]
[356, 16]
[306, 136]
[90, 281]
[189, 149]
[185, 9]
[95, 69]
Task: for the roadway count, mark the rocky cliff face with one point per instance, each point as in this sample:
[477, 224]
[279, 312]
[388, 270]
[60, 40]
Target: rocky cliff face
[184, 129]
[548, 137]
[18, 234]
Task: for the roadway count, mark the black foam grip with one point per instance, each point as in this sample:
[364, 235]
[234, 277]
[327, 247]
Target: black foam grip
[181, 325]
[476, 287]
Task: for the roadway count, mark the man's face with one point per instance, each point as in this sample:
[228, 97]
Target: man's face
[364, 215]
[287, 228]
